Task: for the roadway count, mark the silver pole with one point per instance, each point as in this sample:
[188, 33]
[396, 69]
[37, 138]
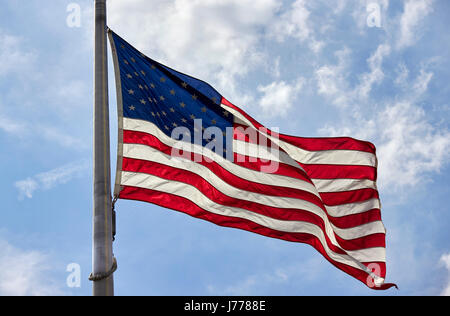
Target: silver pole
[102, 257]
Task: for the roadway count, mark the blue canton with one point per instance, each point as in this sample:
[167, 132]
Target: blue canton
[169, 99]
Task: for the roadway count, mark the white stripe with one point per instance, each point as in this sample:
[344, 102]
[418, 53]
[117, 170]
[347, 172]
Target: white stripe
[353, 208]
[263, 152]
[371, 228]
[193, 194]
[147, 153]
[340, 185]
[331, 157]
[322, 185]
[247, 174]
[335, 185]
[244, 173]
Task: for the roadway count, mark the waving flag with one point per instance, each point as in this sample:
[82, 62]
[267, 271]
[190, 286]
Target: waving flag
[183, 146]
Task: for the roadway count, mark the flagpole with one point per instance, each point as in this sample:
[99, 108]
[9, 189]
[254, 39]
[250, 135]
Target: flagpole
[103, 261]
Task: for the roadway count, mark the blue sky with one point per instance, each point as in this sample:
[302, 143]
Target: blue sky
[311, 68]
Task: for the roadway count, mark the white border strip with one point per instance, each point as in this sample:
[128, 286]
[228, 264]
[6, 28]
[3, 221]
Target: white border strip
[117, 187]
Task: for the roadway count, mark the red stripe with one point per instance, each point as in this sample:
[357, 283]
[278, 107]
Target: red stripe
[329, 143]
[329, 198]
[281, 168]
[244, 133]
[340, 172]
[183, 205]
[193, 179]
[286, 214]
[133, 137]
[338, 198]
[312, 144]
[354, 220]
[314, 171]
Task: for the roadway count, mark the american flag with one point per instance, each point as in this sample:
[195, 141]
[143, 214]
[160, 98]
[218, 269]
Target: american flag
[183, 146]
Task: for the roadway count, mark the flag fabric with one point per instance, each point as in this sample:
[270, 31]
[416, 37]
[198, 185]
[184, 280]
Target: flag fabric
[183, 146]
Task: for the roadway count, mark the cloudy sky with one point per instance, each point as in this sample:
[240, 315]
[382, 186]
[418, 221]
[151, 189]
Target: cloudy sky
[377, 70]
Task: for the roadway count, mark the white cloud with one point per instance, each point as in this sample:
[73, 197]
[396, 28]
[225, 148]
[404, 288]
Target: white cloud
[274, 69]
[327, 80]
[422, 81]
[68, 89]
[26, 187]
[49, 179]
[409, 147]
[295, 23]
[213, 40]
[57, 136]
[445, 259]
[26, 131]
[413, 14]
[316, 46]
[332, 79]
[278, 97]
[415, 88]
[25, 273]
[402, 75]
[13, 56]
[376, 75]
[10, 126]
[339, 6]
[17, 59]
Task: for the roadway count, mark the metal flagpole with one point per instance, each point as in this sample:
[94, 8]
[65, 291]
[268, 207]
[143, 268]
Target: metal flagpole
[103, 261]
